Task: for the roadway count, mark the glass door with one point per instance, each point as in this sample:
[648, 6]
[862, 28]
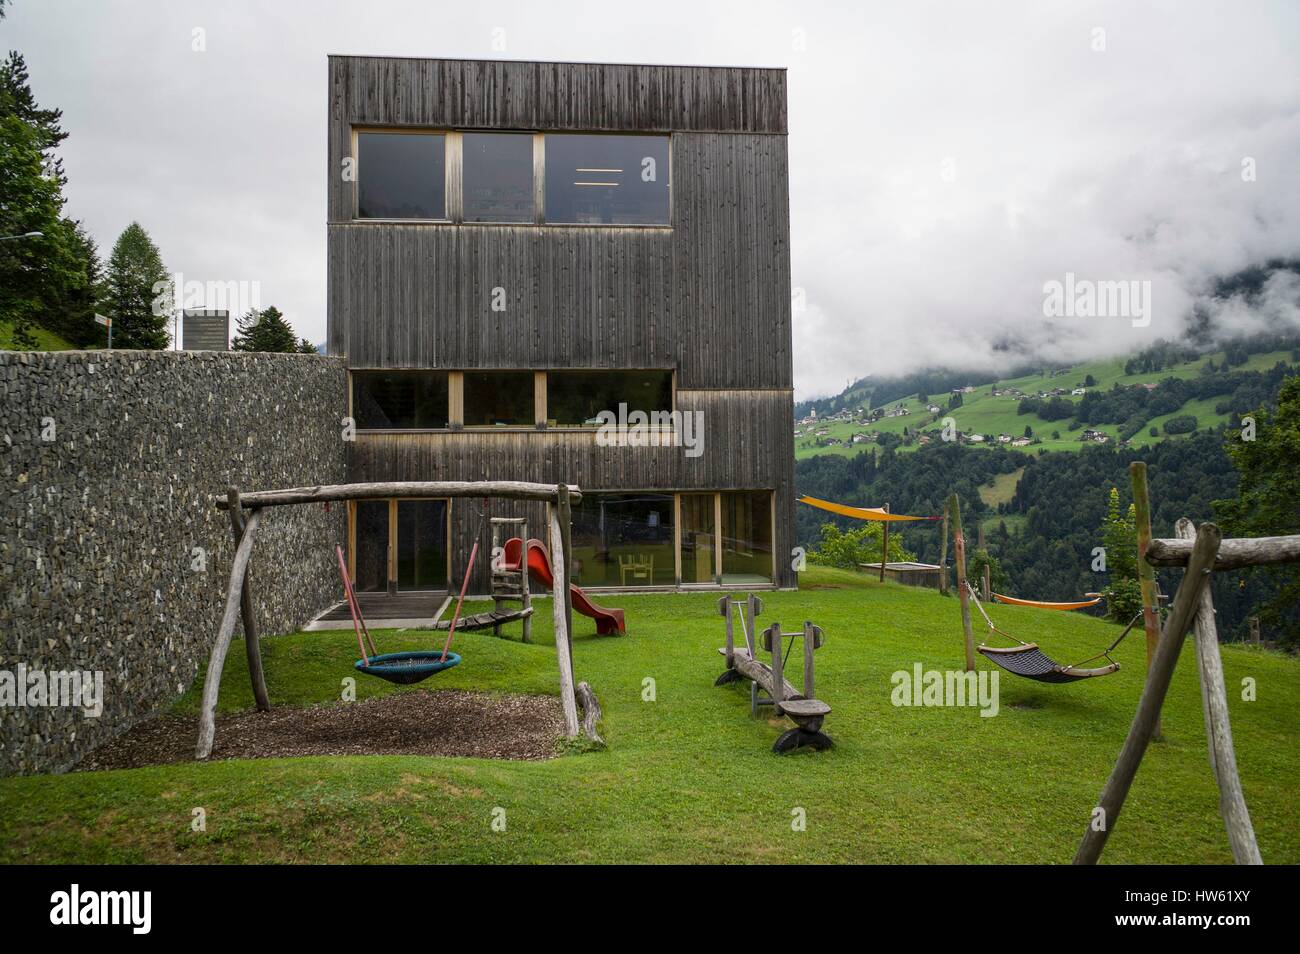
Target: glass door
[370, 556]
[421, 544]
[746, 537]
[698, 536]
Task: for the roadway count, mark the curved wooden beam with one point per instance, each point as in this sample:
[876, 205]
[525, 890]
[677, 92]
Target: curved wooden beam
[510, 489]
[217, 660]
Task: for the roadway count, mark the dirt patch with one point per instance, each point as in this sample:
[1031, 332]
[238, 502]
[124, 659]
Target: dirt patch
[447, 722]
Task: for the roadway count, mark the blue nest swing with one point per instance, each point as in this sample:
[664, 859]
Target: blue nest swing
[407, 667]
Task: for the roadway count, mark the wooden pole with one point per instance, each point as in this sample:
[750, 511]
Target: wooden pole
[1146, 572]
[1185, 604]
[404, 489]
[943, 552]
[563, 655]
[1234, 554]
[724, 607]
[217, 659]
[565, 510]
[526, 595]
[986, 582]
[1218, 730]
[959, 558]
[884, 547]
[809, 645]
[252, 647]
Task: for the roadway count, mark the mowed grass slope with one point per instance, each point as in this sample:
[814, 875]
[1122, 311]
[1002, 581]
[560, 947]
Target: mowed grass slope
[689, 776]
[981, 413]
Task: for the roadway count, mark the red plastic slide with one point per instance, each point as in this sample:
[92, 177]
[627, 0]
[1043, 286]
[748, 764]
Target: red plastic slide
[539, 568]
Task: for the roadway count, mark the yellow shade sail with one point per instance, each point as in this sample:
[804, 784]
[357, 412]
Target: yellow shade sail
[860, 513]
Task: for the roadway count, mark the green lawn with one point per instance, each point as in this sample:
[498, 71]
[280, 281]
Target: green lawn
[45, 340]
[981, 413]
[689, 777]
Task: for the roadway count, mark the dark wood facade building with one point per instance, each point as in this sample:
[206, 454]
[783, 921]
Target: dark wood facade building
[522, 253]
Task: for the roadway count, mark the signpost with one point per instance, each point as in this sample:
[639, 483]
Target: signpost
[108, 323]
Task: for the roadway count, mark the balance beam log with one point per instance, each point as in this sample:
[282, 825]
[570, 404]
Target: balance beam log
[1234, 553]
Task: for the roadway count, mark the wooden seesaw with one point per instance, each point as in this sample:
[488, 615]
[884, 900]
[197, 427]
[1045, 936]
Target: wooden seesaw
[806, 711]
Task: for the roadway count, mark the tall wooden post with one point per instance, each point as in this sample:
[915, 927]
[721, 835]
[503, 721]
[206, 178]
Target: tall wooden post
[986, 583]
[1218, 729]
[565, 512]
[1181, 612]
[1146, 572]
[884, 548]
[563, 624]
[220, 646]
[959, 557]
[252, 648]
[943, 552]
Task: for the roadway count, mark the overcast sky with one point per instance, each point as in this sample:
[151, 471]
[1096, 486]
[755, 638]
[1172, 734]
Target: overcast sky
[989, 147]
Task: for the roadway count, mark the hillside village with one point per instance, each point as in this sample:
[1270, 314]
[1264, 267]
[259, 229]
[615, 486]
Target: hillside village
[929, 422]
[1051, 409]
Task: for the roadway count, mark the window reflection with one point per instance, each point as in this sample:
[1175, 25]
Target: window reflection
[607, 180]
[498, 174]
[401, 176]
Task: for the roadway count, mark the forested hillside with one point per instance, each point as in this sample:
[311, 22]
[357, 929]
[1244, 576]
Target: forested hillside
[1044, 535]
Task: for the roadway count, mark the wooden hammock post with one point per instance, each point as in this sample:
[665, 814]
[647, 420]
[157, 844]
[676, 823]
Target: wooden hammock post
[884, 547]
[943, 552]
[963, 594]
[1185, 604]
[217, 659]
[1146, 572]
[251, 646]
[986, 583]
[1218, 730]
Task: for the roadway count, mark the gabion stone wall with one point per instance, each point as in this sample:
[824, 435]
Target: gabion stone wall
[113, 557]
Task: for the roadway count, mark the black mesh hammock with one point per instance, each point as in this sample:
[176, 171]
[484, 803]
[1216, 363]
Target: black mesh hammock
[1027, 660]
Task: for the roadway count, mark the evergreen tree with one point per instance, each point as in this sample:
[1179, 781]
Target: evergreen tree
[1119, 538]
[265, 330]
[138, 292]
[1268, 499]
[48, 279]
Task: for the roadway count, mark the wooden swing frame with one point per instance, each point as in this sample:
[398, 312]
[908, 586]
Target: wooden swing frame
[245, 518]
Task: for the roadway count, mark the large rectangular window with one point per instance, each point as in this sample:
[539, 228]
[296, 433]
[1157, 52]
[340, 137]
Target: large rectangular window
[607, 179]
[396, 400]
[401, 175]
[498, 177]
[499, 399]
[575, 398]
[623, 540]
[746, 537]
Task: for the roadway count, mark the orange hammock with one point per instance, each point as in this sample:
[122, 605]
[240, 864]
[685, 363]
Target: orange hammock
[860, 513]
[1041, 605]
